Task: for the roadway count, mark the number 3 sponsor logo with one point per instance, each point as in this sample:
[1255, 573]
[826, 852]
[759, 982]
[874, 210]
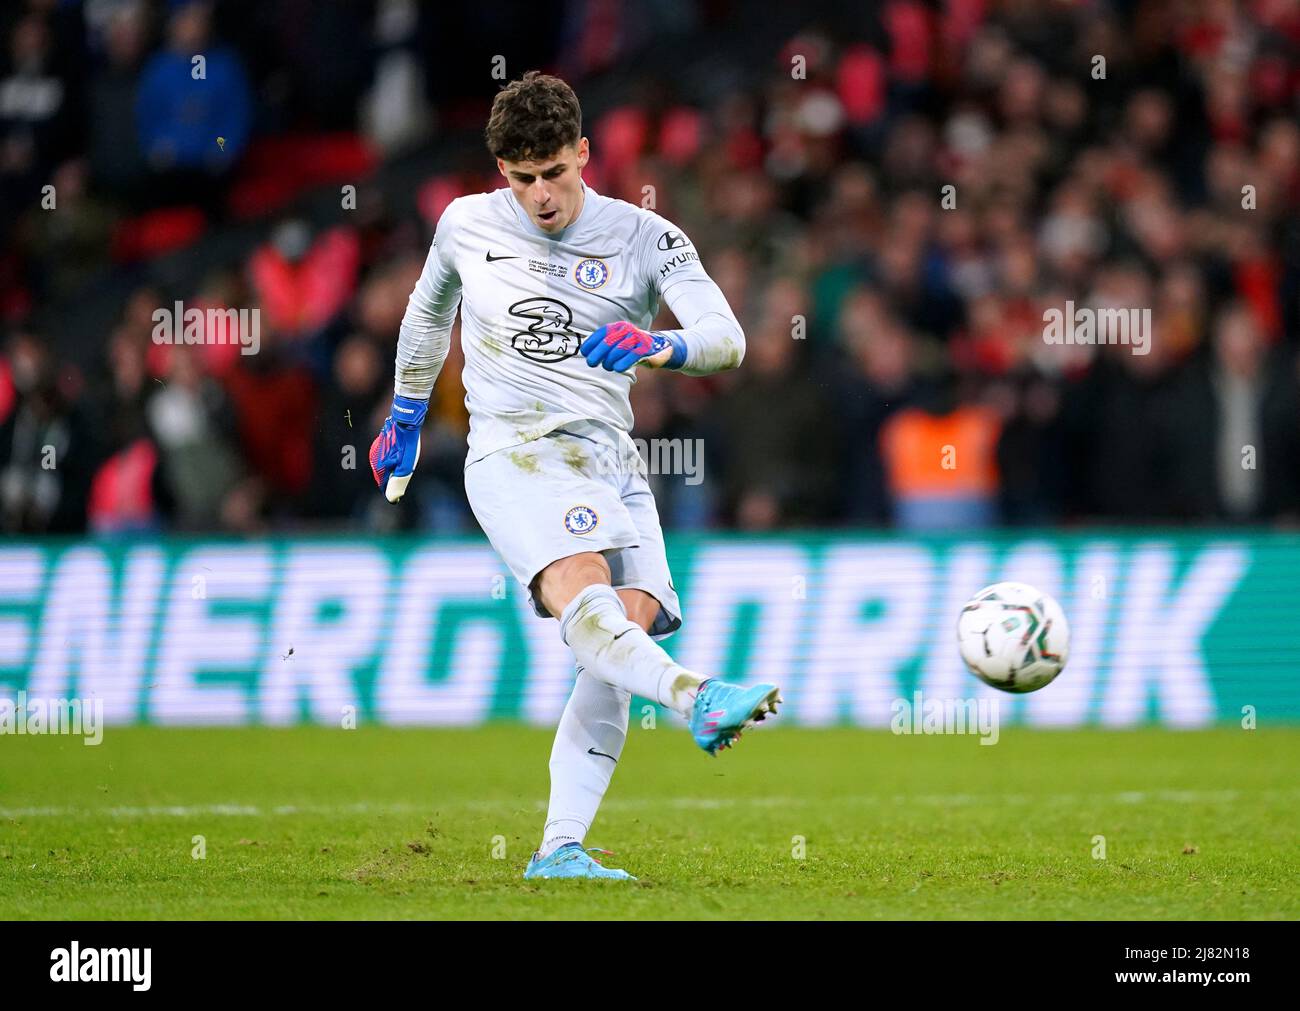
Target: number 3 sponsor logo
[550, 337]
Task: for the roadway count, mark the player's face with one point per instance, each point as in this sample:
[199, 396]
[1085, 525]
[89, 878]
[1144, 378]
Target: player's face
[550, 190]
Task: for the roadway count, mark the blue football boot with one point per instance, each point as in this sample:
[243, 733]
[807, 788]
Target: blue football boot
[572, 861]
[722, 711]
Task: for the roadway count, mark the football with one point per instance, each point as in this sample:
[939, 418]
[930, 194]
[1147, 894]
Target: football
[1013, 637]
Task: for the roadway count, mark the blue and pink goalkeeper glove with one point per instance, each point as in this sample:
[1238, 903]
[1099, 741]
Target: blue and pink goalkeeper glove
[396, 450]
[619, 346]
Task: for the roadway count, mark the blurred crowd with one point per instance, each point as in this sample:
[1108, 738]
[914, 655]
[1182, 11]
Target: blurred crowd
[891, 196]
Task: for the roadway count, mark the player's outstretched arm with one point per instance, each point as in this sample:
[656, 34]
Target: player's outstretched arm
[710, 339]
[422, 345]
[713, 333]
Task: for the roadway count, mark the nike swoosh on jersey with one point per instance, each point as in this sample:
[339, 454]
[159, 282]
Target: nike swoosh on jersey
[493, 259]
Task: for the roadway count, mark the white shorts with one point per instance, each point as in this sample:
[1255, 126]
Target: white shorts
[568, 492]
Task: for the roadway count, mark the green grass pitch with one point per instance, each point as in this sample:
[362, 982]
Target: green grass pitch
[385, 823]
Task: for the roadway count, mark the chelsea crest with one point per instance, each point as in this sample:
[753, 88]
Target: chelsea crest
[581, 520]
[591, 273]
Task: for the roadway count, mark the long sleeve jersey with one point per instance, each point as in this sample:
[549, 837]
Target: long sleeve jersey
[528, 299]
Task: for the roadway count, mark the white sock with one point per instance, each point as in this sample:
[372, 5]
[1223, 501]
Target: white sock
[617, 651]
[594, 720]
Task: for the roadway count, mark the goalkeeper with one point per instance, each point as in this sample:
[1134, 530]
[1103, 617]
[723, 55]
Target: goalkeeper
[556, 285]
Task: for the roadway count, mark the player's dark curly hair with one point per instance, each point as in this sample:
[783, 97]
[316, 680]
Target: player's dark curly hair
[532, 118]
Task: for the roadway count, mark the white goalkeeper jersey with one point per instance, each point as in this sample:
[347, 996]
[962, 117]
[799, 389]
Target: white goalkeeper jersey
[529, 299]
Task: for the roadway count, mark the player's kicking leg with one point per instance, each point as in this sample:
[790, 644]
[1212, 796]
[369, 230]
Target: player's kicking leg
[595, 625]
[598, 706]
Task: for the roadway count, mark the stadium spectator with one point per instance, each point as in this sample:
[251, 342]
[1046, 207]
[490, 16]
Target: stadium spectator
[880, 380]
[357, 385]
[302, 282]
[45, 452]
[774, 442]
[1251, 413]
[39, 113]
[940, 461]
[192, 425]
[116, 159]
[183, 106]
